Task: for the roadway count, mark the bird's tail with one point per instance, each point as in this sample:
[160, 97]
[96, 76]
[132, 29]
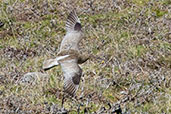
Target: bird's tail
[48, 64]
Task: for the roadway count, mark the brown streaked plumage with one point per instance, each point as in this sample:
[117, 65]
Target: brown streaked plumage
[69, 57]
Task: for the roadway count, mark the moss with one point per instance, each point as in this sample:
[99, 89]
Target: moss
[137, 51]
[52, 99]
[140, 2]
[16, 89]
[160, 13]
[165, 45]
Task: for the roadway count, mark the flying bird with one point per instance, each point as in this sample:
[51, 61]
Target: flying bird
[69, 57]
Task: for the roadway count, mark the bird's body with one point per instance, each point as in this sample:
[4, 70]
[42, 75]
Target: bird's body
[68, 57]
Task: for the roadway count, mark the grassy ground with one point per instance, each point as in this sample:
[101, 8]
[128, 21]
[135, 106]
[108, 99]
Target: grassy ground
[131, 42]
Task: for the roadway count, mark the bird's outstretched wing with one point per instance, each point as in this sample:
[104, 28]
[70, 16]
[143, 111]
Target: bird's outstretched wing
[74, 33]
[72, 75]
[73, 23]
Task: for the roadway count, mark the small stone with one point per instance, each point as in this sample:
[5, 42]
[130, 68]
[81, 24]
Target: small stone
[1, 24]
[123, 92]
[32, 77]
[53, 23]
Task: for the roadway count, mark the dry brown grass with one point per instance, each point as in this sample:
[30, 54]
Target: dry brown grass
[130, 41]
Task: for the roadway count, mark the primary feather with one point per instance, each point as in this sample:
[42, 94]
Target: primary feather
[73, 22]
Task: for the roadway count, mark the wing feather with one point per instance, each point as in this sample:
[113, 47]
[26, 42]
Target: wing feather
[73, 22]
[72, 75]
[74, 33]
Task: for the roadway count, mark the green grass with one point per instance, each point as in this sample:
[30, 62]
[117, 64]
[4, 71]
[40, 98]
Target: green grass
[132, 58]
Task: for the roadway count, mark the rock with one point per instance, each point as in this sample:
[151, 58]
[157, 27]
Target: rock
[33, 78]
[1, 24]
[117, 109]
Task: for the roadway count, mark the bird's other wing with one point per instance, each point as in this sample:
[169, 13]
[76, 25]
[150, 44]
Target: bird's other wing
[48, 64]
[73, 23]
[72, 75]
